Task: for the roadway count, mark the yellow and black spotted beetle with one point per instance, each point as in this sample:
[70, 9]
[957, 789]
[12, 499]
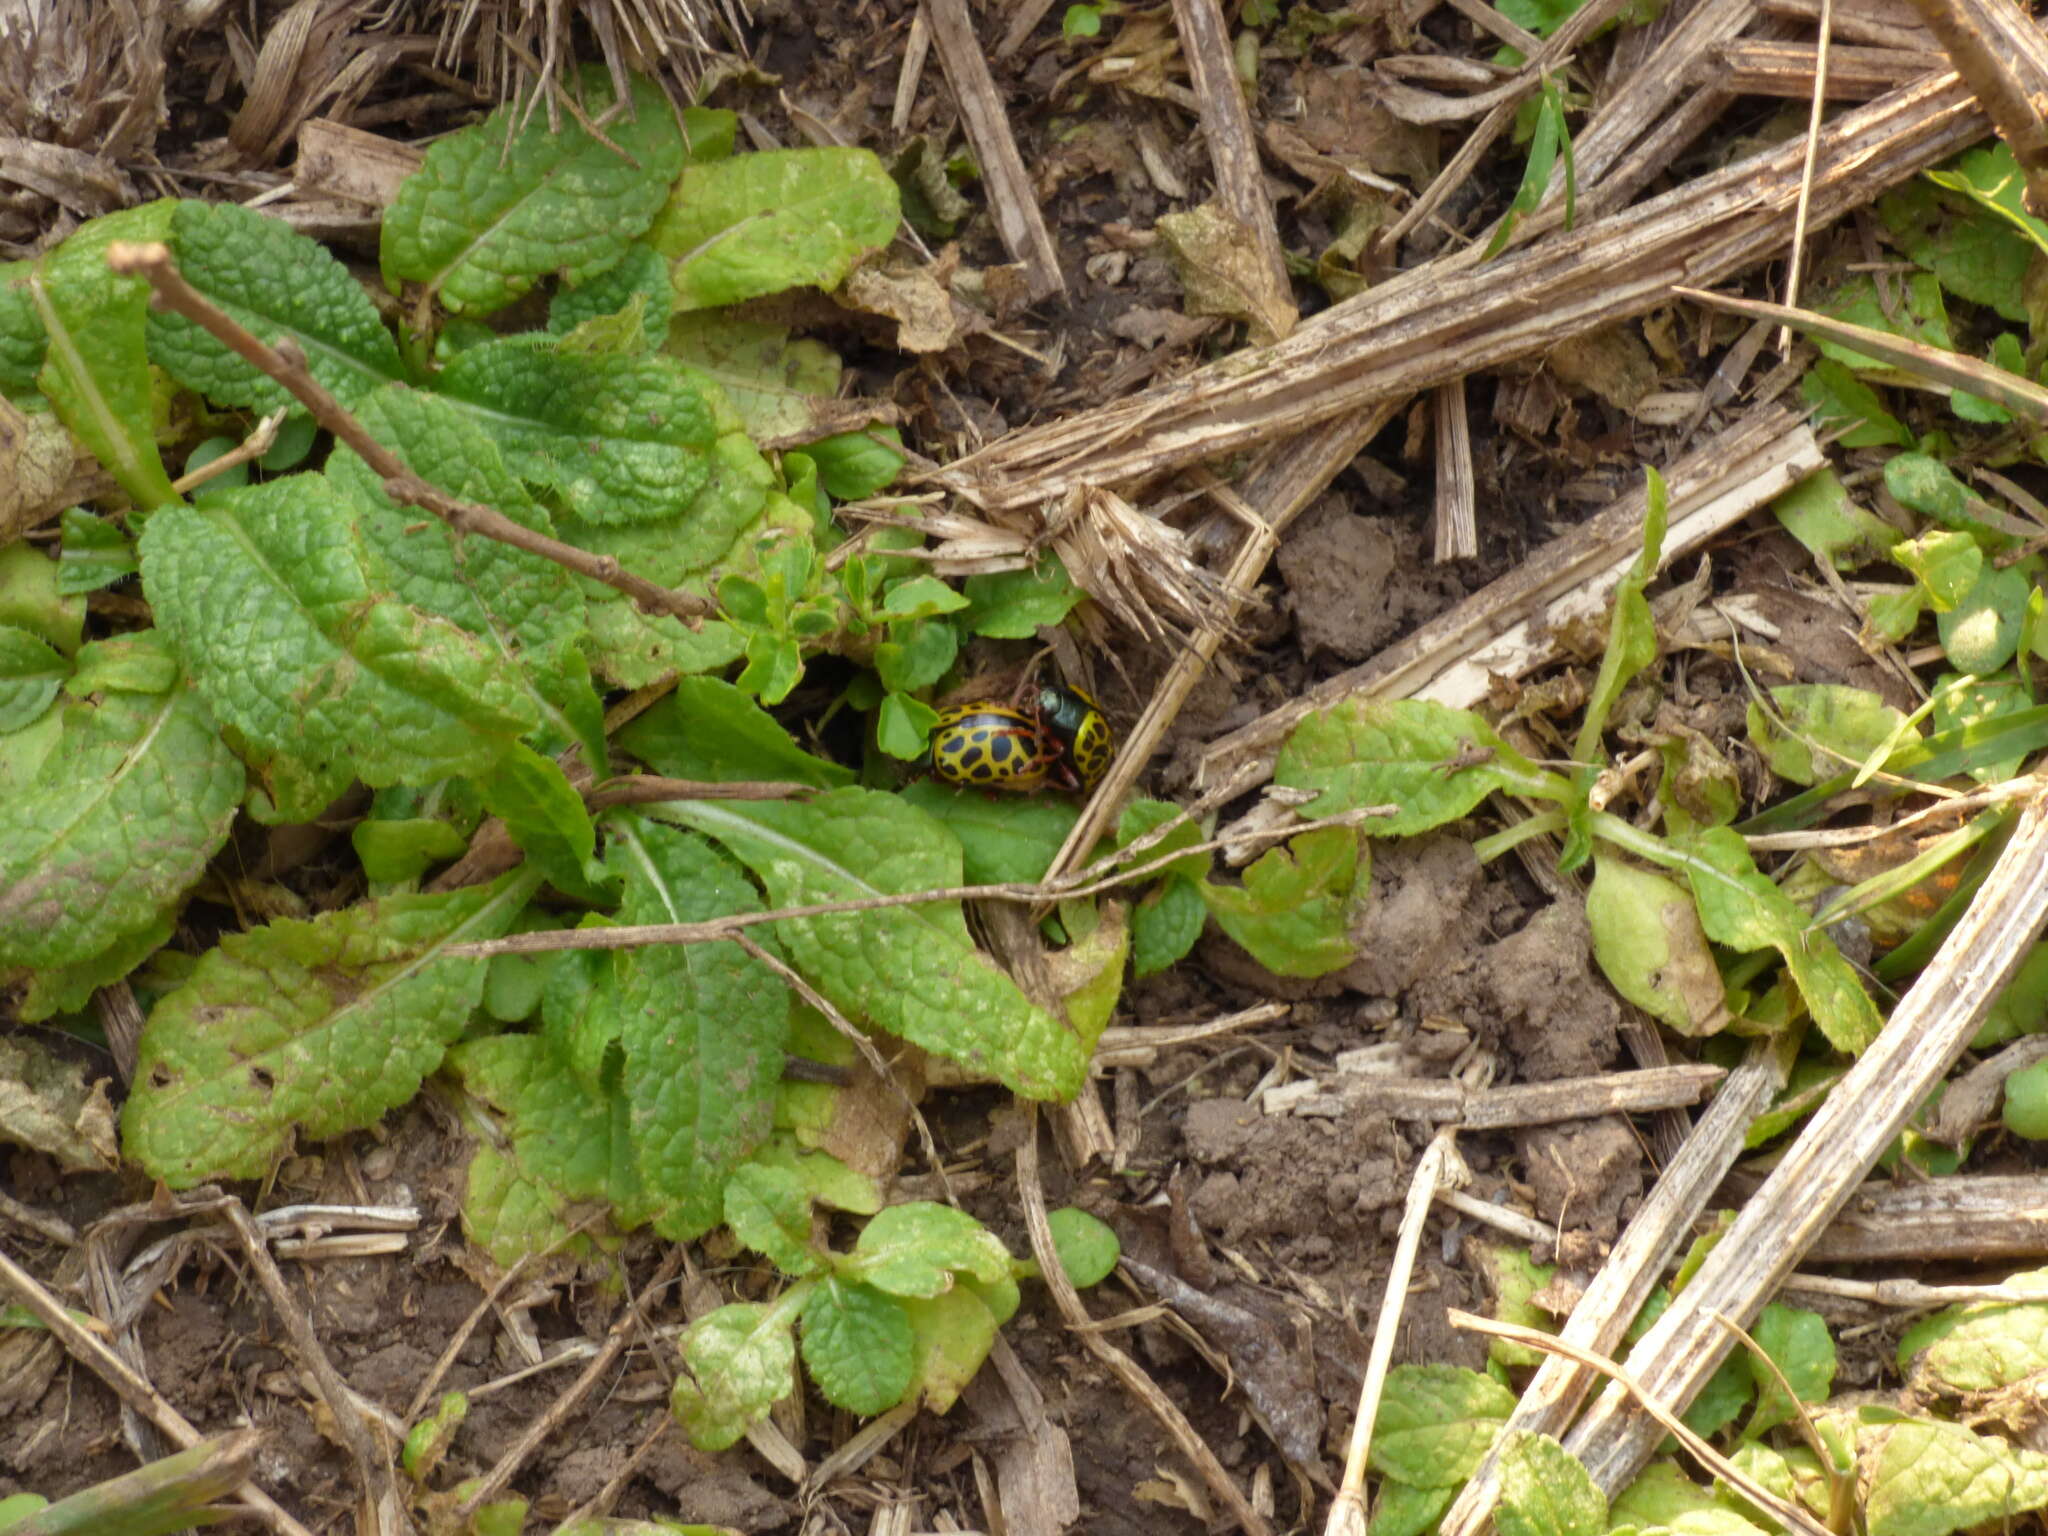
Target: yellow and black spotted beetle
[1077, 724]
[1061, 738]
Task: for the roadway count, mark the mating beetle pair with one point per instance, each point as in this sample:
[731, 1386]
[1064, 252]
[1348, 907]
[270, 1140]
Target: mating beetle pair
[1059, 739]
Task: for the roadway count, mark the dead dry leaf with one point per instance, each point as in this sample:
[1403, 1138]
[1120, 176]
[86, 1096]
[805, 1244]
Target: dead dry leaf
[1221, 272]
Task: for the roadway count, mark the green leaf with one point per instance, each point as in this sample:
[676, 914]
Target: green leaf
[430, 1438]
[723, 530]
[760, 223]
[1819, 514]
[1542, 17]
[917, 655]
[497, 206]
[953, 1334]
[1837, 396]
[579, 1010]
[769, 1211]
[1798, 1342]
[1543, 147]
[921, 597]
[1011, 605]
[1404, 1510]
[637, 288]
[1649, 944]
[1435, 1423]
[910, 970]
[858, 1347]
[703, 1025]
[2025, 1110]
[1982, 632]
[1079, 21]
[547, 819]
[1631, 632]
[1981, 1347]
[96, 553]
[1660, 1494]
[774, 667]
[1921, 318]
[1976, 253]
[1294, 910]
[621, 439]
[1821, 728]
[95, 367]
[710, 731]
[1721, 1401]
[69, 988]
[781, 388]
[30, 675]
[1946, 562]
[21, 329]
[559, 1145]
[324, 1025]
[1545, 1492]
[741, 1359]
[1927, 486]
[1821, 517]
[1087, 1248]
[119, 822]
[1514, 1278]
[1165, 924]
[31, 599]
[903, 724]
[1927, 1479]
[1431, 763]
[397, 850]
[322, 677]
[913, 1250]
[1142, 816]
[1007, 841]
[1740, 908]
[1990, 176]
[294, 442]
[855, 465]
[829, 1181]
[275, 283]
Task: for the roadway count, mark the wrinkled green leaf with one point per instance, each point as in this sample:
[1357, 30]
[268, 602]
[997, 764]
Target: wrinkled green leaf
[769, 1210]
[30, 675]
[1740, 908]
[621, 438]
[740, 1358]
[703, 1025]
[1435, 1422]
[95, 368]
[911, 970]
[1293, 913]
[119, 822]
[709, 730]
[1545, 1492]
[1431, 763]
[320, 1025]
[914, 1249]
[858, 1346]
[275, 283]
[498, 206]
[96, 553]
[760, 223]
[323, 677]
